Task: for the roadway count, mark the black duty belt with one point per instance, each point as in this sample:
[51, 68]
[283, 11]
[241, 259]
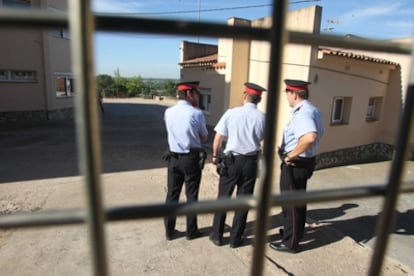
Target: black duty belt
[239, 156]
[304, 161]
[193, 152]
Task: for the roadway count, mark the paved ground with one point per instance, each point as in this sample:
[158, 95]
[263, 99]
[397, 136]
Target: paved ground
[38, 171]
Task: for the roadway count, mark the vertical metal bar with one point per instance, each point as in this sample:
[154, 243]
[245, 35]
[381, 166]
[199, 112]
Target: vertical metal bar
[88, 132]
[277, 42]
[386, 220]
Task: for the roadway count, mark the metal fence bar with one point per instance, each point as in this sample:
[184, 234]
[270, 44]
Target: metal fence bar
[277, 40]
[114, 23]
[119, 213]
[32, 19]
[117, 23]
[387, 218]
[87, 126]
[343, 42]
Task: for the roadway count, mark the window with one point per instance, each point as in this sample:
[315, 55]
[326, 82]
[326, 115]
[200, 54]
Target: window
[205, 100]
[22, 75]
[338, 110]
[64, 86]
[17, 76]
[341, 109]
[374, 108]
[16, 3]
[4, 75]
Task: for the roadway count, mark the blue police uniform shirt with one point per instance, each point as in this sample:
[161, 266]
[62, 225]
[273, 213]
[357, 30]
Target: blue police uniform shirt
[185, 124]
[244, 128]
[305, 118]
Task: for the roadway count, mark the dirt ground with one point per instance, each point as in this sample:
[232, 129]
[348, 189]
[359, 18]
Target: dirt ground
[38, 172]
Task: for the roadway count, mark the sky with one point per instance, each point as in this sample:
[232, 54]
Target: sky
[157, 56]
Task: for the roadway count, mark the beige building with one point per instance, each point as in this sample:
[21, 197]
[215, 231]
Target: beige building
[358, 93]
[36, 80]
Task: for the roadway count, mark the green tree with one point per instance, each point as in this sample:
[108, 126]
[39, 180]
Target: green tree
[169, 88]
[119, 84]
[105, 85]
[135, 86]
[149, 87]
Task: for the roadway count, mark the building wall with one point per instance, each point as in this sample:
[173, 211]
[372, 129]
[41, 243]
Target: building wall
[399, 81]
[189, 50]
[236, 52]
[391, 114]
[210, 80]
[44, 52]
[404, 61]
[296, 58]
[225, 55]
[58, 63]
[21, 50]
[339, 77]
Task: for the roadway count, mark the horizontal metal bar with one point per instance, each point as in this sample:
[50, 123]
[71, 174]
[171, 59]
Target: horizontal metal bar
[340, 41]
[127, 24]
[113, 23]
[33, 19]
[43, 218]
[76, 216]
[162, 210]
[326, 195]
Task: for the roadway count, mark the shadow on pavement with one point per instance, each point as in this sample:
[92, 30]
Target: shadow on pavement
[362, 229]
[325, 227]
[133, 138]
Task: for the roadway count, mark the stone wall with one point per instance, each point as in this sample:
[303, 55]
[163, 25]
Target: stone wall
[35, 116]
[361, 154]
[375, 152]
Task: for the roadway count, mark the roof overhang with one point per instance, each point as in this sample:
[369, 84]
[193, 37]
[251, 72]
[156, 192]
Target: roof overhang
[354, 56]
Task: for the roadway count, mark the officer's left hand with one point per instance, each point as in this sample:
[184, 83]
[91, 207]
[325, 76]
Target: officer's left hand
[288, 161]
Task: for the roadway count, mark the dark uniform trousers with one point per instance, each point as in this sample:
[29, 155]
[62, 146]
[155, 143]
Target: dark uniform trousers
[294, 178]
[183, 168]
[241, 173]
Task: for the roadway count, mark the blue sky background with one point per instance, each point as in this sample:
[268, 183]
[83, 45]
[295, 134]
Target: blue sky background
[151, 56]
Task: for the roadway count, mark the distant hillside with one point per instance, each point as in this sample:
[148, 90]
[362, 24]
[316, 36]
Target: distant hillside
[159, 80]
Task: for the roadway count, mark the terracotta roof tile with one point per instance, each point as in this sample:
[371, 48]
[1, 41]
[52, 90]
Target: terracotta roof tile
[346, 54]
[209, 61]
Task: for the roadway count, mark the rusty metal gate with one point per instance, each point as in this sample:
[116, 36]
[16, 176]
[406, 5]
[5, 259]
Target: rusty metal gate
[83, 23]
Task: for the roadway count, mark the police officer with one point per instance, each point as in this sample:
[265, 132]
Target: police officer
[297, 152]
[186, 129]
[243, 128]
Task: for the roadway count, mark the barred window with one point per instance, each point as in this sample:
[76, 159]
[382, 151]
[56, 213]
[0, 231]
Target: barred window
[64, 85]
[17, 76]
